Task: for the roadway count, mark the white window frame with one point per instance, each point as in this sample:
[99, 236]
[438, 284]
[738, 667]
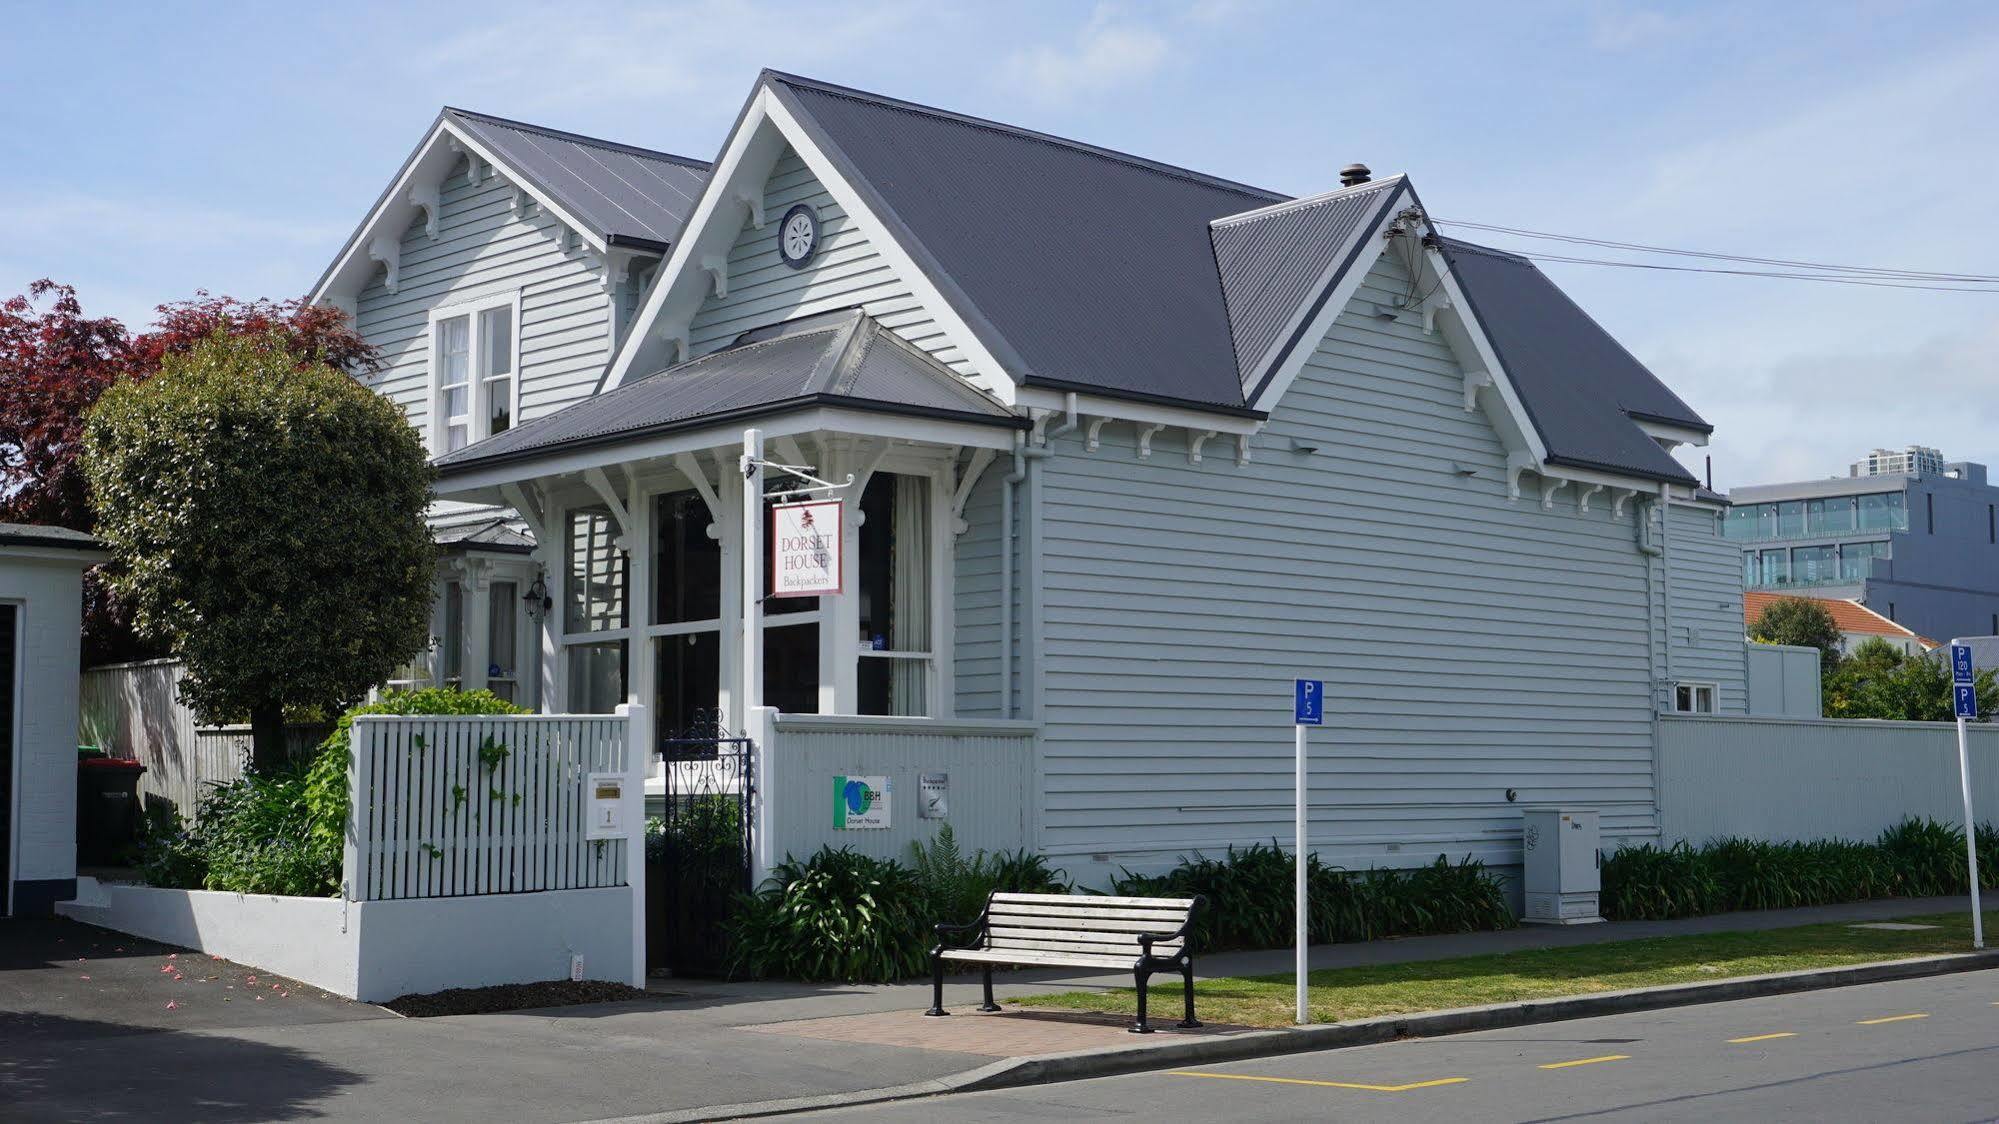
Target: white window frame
[1694, 691]
[477, 396]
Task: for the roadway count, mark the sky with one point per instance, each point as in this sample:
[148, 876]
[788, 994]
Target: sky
[147, 152]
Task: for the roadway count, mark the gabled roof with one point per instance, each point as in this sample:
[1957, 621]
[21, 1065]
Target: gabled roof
[1584, 393]
[612, 194]
[629, 195]
[1276, 260]
[48, 536]
[839, 358]
[1851, 616]
[1082, 268]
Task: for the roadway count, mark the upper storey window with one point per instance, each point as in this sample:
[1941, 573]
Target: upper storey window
[475, 391]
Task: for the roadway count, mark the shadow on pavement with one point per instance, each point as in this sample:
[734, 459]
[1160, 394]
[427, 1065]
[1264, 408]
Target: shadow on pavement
[58, 1068]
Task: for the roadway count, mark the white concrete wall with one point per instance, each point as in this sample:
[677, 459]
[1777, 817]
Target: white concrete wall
[46, 587]
[376, 951]
[428, 944]
[311, 940]
[1805, 779]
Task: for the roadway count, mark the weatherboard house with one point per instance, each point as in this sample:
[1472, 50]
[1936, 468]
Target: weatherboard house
[1131, 447]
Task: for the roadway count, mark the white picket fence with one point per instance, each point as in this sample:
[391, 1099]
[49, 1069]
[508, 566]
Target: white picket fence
[456, 806]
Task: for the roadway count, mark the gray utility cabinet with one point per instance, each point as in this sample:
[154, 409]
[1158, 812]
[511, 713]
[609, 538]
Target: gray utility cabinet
[1561, 869]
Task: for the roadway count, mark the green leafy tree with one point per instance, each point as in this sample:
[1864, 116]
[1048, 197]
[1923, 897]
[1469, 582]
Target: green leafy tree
[265, 513]
[1802, 622]
[1880, 681]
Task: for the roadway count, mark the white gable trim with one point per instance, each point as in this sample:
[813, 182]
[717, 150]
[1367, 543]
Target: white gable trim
[415, 190]
[732, 194]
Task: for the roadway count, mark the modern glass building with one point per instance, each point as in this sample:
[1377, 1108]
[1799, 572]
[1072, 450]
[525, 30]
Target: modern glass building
[1912, 537]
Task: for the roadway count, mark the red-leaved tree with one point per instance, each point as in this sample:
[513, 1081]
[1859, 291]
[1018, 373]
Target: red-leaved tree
[54, 365]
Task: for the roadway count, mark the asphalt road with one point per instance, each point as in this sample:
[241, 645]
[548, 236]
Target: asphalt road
[1919, 1050]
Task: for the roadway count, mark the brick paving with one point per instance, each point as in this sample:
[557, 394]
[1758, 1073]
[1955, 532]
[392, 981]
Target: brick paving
[1013, 1032]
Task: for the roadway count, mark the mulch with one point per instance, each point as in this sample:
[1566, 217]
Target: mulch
[515, 997]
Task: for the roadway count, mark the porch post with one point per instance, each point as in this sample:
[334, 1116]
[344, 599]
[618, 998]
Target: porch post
[638, 609]
[751, 466]
[477, 623]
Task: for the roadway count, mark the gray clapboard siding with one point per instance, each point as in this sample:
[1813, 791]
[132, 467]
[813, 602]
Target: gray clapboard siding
[847, 272]
[1706, 584]
[976, 593]
[483, 249]
[1470, 643]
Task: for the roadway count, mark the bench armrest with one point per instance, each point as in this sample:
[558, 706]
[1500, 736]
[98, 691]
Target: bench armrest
[1145, 940]
[946, 930]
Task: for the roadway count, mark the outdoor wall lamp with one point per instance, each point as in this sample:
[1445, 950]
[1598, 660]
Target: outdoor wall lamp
[538, 601]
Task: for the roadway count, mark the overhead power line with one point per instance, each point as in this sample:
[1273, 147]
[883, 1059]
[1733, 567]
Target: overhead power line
[1787, 269]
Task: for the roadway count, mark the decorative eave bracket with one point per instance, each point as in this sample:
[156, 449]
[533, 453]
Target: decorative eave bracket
[1194, 442]
[755, 202]
[1145, 435]
[426, 196]
[717, 268]
[1476, 379]
[387, 249]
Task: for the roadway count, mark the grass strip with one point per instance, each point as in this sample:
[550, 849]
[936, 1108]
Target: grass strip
[1339, 994]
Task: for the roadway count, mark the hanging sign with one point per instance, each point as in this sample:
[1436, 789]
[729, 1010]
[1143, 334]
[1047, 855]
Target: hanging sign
[805, 543]
[860, 802]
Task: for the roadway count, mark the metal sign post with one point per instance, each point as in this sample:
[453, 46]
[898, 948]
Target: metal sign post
[1964, 701]
[1308, 708]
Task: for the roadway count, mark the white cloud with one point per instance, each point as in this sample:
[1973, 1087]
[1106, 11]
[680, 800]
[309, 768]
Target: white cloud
[1110, 51]
[1622, 27]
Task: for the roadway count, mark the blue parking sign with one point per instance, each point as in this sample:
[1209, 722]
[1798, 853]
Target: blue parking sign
[1966, 697]
[1309, 702]
[1960, 663]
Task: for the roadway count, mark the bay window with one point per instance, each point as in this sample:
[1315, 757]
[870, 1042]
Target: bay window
[594, 622]
[473, 370]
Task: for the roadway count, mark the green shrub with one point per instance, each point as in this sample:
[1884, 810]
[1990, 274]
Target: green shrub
[324, 791]
[955, 887]
[1252, 894]
[167, 853]
[838, 916]
[1926, 858]
[254, 834]
[1915, 858]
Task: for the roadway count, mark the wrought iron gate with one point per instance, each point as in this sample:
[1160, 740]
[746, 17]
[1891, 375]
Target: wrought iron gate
[698, 855]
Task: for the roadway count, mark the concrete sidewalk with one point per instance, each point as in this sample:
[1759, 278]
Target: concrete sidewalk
[694, 1048]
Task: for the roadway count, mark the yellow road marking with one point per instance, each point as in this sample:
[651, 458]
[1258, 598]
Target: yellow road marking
[1322, 1084]
[1763, 1037]
[1891, 1019]
[1587, 1061]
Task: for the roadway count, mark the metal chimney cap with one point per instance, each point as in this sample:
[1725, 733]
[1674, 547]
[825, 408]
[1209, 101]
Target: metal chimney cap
[1354, 174]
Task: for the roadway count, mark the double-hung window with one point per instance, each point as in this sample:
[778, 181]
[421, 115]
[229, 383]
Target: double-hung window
[473, 370]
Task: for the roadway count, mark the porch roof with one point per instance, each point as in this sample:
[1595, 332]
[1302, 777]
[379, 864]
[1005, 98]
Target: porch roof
[842, 359]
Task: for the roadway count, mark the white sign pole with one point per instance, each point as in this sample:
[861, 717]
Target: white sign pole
[1970, 837]
[1301, 851]
[1964, 677]
[753, 592]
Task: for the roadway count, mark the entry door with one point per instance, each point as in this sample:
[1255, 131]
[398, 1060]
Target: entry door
[9, 690]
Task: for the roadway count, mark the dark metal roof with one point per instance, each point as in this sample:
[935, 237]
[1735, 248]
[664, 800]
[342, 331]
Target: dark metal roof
[1274, 261]
[37, 534]
[490, 535]
[839, 358]
[1581, 388]
[624, 193]
[1083, 268]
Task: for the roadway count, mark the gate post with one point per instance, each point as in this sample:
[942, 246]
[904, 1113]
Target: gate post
[762, 730]
[638, 745]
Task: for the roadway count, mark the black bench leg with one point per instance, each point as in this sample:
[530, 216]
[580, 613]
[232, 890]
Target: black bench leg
[1187, 981]
[989, 1005]
[936, 987]
[1141, 1026]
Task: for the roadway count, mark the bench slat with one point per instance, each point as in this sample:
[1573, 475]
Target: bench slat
[1092, 900]
[1082, 948]
[1000, 934]
[1023, 956]
[1091, 924]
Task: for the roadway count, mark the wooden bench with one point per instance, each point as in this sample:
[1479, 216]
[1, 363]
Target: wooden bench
[1136, 935]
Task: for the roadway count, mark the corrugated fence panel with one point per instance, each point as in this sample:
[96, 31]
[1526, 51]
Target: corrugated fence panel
[1803, 779]
[453, 806]
[990, 766]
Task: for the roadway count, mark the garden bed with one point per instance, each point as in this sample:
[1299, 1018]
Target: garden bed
[516, 997]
